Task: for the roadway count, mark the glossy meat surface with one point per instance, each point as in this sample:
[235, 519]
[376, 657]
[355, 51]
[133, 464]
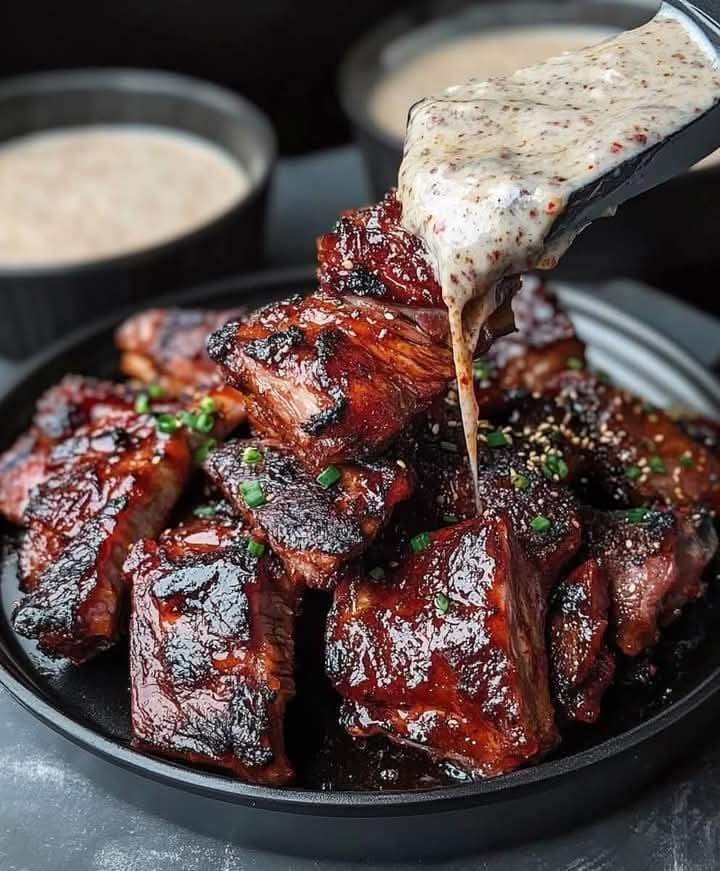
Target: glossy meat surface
[654, 566]
[314, 530]
[73, 402]
[636, 454]
[581, 665]
[335, 379]
[168, 346]
[211, 650]
[107, 486]
[448, 653]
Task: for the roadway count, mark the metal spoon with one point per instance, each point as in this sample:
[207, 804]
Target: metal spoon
[673, 155]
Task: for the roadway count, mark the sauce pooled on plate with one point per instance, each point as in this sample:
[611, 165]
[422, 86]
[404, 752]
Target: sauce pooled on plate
[489, 166]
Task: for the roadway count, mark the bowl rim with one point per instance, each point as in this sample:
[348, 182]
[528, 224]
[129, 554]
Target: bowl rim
[354, 81]
[161, 82]
[344, 803]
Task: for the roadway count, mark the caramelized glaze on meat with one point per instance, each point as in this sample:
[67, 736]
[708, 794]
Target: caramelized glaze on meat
[211, 650]
[448, 653]
[335, 379]
[73, 402]
[635, 453]
[581, 665]
[107, 486]
[167, 346]
[654, 561]
[315, 530]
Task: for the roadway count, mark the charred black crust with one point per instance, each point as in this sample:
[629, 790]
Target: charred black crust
[274, 346]
[316, 423]
[220, 343]
[362, 282]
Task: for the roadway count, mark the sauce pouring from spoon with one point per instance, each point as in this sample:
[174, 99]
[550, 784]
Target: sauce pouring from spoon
[498, 177]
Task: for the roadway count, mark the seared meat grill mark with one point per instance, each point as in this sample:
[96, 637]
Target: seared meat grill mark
[448, 654]
[74, 402]
[654, 567]
[211, 650]
[107, 486]
[314, 530]
[581, 666]
[341, 378]
[167, 347]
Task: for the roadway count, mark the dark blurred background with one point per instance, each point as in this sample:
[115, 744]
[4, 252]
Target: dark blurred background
[281, 54]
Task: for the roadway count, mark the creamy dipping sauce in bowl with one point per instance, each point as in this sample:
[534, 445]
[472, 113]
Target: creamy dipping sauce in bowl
[86, 193]
[497, 52]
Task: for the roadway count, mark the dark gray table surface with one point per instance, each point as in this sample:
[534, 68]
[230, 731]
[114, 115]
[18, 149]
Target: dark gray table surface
[54, 818]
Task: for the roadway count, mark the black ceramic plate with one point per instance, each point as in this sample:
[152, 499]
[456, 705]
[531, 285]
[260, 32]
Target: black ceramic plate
[360, 801]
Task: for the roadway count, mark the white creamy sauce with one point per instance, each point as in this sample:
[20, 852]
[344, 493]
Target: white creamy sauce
[489, 166]
[86, 193]
[480, 56]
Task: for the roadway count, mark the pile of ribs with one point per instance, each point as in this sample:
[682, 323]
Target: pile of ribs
[316, 443]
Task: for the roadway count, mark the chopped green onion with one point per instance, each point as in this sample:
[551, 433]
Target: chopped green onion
[142, 403]
[555, 465]
[251, 456]
[187, 418]
[649, 408]
[496, 439]
[204, 451]
[687, 461]
[450, 447]
[633, 472]
[256, 548]
[574, 363]
[155, 391]
[378, 573]
[208, 405]
[166, 423]
[540, 523]
[419, 542]
[480, 370]
[252, 494]
[656, 465]
[450, 518]
[205, 511]
[328, 477]
[637, 515]
[204, 423]
[442, 603]
[603, 377]
[520, 482]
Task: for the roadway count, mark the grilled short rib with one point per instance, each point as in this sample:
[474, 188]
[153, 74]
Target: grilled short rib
[167, 347]
[654, 562]
[634, 453]
[314, 529]
[448, 653]
[581, 664]
[211, 650]
[335, 379]
[108, 485]
[73, 402]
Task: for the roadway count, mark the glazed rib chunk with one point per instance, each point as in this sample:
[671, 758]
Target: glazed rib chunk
[654, 562]
[581, 665]
[448, 653]
[636, 454]
[167, 347]
[314, 528]
[541, 346]
[107, 486]
[74, 402]
[335, 379]
[211, 650]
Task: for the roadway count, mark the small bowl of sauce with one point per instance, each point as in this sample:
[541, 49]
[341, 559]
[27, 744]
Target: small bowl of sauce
[120, 184]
